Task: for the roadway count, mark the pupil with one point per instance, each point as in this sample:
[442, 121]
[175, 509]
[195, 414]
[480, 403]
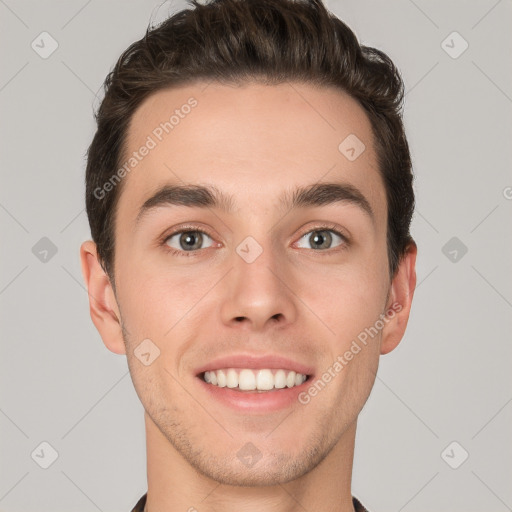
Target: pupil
[320, 238]
[188, 239]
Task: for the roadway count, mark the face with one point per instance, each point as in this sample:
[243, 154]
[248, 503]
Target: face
[239, 286]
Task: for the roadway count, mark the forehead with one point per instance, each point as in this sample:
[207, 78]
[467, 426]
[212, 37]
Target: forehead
[251, 141]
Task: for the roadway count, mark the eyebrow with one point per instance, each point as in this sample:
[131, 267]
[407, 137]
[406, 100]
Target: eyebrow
[209, 196]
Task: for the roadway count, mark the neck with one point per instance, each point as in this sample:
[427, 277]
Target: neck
[173, 484]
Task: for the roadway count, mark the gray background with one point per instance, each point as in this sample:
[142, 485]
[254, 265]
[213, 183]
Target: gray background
[449, 380]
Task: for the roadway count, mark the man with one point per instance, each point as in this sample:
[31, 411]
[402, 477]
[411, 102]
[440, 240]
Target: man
[249, 192]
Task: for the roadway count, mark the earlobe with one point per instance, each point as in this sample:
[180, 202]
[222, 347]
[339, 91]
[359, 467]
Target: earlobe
[400, 300]
[103, 306]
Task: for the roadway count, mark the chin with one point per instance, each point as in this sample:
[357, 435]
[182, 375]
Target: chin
[269, 470]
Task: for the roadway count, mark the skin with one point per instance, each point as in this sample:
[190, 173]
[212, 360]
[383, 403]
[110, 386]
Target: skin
[295, 300]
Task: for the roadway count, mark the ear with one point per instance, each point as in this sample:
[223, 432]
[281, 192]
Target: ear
[102, 301]
[400, 299]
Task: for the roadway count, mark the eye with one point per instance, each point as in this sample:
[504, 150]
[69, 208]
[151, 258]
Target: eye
[187, 241]
[322, 238]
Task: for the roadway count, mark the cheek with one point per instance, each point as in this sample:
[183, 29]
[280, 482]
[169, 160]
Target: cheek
[154, 301]
[347, 300]
[346, 294]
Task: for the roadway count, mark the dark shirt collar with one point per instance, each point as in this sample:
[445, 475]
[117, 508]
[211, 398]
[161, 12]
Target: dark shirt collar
[358, 507]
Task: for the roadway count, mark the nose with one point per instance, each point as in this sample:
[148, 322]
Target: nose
[259, 294]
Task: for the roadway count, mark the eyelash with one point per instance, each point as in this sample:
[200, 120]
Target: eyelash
[192, 229]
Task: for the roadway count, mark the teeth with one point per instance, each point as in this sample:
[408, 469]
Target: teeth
[280, 379]
[246, 380]
[221, 379]
[250, 380]
[232, 378]
[264, 380]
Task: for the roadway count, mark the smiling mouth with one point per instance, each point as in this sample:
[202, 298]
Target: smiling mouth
[255, 380]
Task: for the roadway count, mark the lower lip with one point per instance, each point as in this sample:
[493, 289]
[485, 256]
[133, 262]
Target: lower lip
[253, 401]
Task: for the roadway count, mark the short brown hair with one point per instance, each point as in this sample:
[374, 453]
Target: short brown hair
[237, 41]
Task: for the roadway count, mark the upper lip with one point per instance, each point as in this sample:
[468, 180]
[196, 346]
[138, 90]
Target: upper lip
[255, 362]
